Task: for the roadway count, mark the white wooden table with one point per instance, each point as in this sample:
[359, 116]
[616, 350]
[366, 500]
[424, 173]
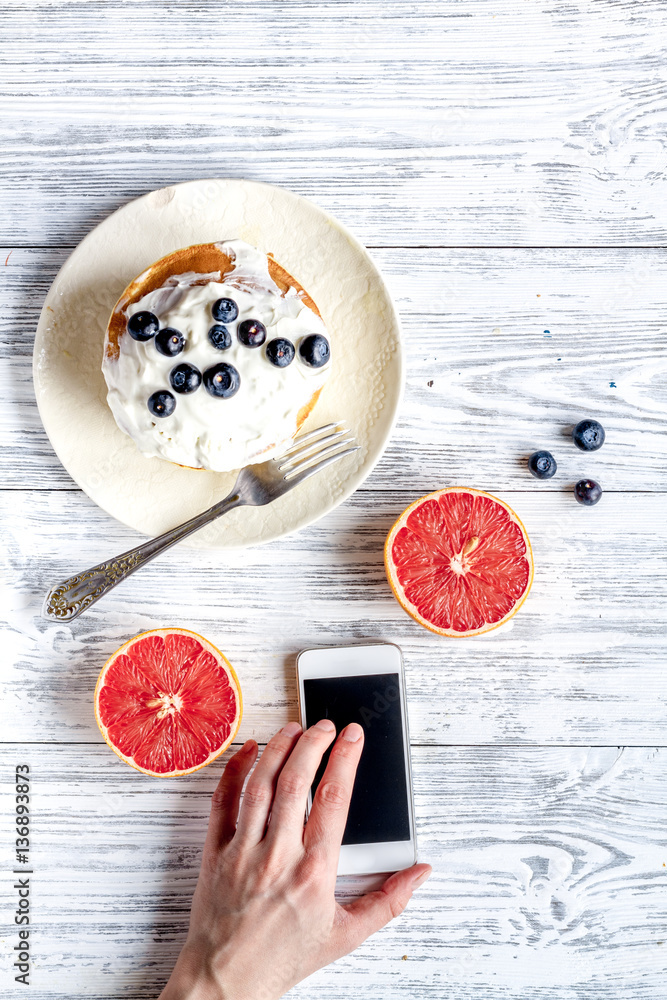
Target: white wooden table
[505, 164]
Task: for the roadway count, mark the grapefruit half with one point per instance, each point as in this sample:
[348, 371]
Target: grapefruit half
[168, 702]
[459, 561]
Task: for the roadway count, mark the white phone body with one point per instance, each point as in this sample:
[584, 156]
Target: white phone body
[379, 708]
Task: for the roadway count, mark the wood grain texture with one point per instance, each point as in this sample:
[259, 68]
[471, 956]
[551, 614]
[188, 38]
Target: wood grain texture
[505, 351]
[581, 662]
[549, 877]
[499, 125]
[494, 122]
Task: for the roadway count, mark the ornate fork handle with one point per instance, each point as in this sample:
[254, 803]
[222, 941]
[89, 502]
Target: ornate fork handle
[255, 486]
[68, 599]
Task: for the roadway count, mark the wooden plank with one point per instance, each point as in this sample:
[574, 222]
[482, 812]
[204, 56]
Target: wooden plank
[549, 877]
[432, 123]
[505, 351]
[581, 662]
[491, 124]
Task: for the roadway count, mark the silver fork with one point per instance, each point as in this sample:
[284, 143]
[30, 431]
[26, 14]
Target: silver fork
[255, 486]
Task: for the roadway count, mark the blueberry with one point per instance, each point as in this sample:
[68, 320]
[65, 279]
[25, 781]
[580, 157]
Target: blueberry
[314, 350]
[280, 352]
[143, 325]
[542, 464]
[588, 435]
[588, 492]
[225, 310]
[161, 404]
[251, 332]
[170, 342]
[220, 337]
[185, 378]
[222, 380]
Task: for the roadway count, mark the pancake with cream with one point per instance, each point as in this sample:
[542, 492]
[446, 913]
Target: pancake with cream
[214, 357]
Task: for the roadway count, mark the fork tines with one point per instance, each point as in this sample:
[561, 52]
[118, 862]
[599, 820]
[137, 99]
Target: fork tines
[324, 445]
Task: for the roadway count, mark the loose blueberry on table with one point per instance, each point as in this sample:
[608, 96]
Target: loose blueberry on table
[185, 378]
[143, 325]
[542, 464]
[587, 492]
[588, 435]
[280, 352]
[314, 350]
[220, 337]
[222, 380]
[224, 310]
[161, 404]
[251, 332]
[170, 342]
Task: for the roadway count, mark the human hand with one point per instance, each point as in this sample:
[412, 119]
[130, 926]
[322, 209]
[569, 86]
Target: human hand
[264, 914]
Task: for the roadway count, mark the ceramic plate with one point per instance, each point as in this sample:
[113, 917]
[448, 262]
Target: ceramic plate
[364, 388]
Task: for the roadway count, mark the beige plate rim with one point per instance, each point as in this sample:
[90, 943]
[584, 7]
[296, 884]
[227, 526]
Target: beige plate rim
[254, 192]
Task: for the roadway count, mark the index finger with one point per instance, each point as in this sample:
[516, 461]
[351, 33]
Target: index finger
[326, 823]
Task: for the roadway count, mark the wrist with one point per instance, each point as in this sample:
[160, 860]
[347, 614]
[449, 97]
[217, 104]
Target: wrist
[192, 980]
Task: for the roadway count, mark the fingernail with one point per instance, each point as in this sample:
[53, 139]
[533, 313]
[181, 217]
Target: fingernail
[352, 733]
[326, 725]
[248, 746]
[421, 878]
[291, 729]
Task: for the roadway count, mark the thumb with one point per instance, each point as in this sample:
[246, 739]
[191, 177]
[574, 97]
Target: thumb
[369, 913]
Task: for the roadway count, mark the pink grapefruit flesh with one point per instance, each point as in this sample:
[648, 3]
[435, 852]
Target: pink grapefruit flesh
[459, 561]
[168, 702]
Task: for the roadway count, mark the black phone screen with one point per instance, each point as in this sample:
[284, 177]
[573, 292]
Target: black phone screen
[379, 810]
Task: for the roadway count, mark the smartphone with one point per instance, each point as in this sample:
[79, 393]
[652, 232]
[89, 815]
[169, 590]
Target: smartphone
[365, 684]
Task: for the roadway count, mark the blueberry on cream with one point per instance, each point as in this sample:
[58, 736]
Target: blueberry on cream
[314, 350]
[222, 380]
[161, 404]
[280, 352]
[220, 337]
[251, 332]
[143, 325]
[185, 378]
[170, 342]
[225, 310]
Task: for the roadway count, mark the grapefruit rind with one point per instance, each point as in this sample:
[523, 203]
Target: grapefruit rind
[397, 588]
[208, 647]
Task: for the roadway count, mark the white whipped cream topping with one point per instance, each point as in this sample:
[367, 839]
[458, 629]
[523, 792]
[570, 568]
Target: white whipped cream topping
[206, 431]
